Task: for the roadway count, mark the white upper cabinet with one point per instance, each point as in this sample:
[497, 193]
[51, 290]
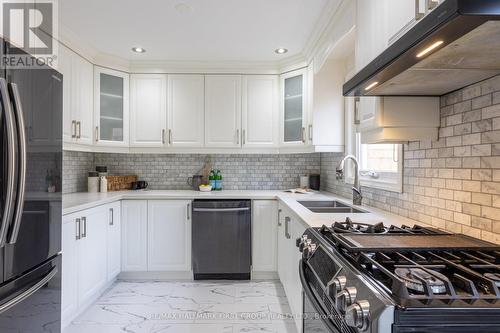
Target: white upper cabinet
[111, 107]
[223, 111]
[186, 110]
[402, 15]
[295, 128]
[260, 111]
[148, 110]
[78, 81]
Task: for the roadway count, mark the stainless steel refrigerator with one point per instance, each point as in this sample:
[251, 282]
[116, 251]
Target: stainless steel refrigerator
[30, 217]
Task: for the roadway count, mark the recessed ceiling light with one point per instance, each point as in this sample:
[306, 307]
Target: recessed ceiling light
[183, 8]
[429, 49]
[371, 86]
[138, 49]
[281, 51]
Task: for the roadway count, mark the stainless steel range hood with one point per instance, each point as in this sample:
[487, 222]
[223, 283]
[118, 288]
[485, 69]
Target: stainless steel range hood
[465, 35]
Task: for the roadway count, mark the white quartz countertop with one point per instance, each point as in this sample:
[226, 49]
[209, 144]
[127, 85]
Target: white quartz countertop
[75, 202]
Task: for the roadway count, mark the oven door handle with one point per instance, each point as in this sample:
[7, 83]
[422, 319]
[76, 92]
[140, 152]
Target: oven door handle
[314, 302]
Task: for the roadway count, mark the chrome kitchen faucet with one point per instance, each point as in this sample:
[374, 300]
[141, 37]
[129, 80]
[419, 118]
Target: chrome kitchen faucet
[357, 197]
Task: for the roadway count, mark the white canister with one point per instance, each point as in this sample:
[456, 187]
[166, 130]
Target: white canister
[304, 182]
[103, 183]
[93, 182]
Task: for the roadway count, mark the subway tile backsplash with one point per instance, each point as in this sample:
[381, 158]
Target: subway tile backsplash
[452, 183]
[170, 171]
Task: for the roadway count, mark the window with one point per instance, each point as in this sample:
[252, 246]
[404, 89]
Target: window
[381, 165]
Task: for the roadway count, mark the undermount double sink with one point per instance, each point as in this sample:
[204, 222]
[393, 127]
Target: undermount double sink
[330, 206]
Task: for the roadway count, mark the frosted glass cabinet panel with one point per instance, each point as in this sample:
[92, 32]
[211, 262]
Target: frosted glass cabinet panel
[112, 89]
[294, 115]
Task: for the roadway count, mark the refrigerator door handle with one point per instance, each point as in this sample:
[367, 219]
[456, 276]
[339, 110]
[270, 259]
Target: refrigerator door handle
[11, 161]
[21, 182]
[33, 289]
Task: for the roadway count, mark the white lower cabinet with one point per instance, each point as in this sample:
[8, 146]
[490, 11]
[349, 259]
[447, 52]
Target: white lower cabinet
[85, 259]
[114, 240]
[134, 235]
[264, 235]
[290, 228]
[169, 235]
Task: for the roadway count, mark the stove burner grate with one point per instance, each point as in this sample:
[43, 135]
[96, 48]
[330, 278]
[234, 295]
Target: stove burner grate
[418, 279]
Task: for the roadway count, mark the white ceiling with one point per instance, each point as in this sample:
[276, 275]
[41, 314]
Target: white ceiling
[214, 30]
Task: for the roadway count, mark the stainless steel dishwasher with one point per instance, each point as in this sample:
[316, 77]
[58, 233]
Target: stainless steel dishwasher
[221, 239]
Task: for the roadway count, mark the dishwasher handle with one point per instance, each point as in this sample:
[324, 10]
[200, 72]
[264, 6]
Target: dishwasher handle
[243, 209]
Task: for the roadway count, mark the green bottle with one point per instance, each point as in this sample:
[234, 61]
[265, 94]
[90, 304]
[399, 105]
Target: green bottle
[218, 180]
[211, 180]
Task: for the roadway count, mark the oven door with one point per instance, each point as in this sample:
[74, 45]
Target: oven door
[315, 318]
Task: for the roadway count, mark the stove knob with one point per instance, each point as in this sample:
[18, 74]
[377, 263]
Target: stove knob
[357, 315]
[336, 285]
[345, 298]
[300, 241]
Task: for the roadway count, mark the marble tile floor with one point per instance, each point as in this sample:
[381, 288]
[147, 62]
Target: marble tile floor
[188, 307]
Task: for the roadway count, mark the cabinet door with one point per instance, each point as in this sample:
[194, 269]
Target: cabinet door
[65, 68]
[134, 235]
[264, 235]
[222, 111]
[69, 266]
[111, 107]
[282, 250]
[294, 113]
[401, 16]
[92, 249]
[114, 241]
[148, 112]
[260, 111]
[186, 110]
[369, 113]
[294, 295]
[82, 95]
[169, 235]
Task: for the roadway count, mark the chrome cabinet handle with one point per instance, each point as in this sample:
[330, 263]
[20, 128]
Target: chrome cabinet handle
[84, 223]
[97, 134]
[111, 217]
[243, 135]
[163, 136]
[287, 225]
[169, 136]
[188, 211]
[78, 233]
[21, 297]
[418, 14]
[237, 136]
[310, 133]
[8, 207]
[21, 185]
[279, 218]
[79, 125]
[73, 129]
[303, 135]
[356, 111]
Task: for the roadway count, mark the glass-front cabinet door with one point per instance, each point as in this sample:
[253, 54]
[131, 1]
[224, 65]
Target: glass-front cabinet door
[111, 107]
[294, 111]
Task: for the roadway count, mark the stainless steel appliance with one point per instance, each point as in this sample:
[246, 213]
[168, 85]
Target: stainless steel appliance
[221, 239]
[373, 278]
[30, 220]
[453, 46]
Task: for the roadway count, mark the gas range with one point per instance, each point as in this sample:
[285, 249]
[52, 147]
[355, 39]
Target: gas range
[376, 278]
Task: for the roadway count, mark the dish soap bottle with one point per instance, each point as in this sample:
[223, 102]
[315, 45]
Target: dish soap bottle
[218, 180]
[211, 180]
